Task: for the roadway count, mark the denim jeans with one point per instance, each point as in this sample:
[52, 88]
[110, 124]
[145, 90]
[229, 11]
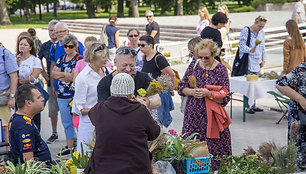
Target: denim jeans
[66, 116]
[246, 98]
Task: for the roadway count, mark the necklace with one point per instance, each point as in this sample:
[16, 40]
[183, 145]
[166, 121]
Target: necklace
[206, 71]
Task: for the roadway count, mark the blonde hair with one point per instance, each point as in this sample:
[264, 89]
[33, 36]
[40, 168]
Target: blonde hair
[224, 7]
[93, 52]
[260, 19]
[210, 44]
[206, 13]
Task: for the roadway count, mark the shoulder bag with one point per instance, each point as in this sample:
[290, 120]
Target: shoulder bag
[185, 97]
[240, 66]
[302, 116]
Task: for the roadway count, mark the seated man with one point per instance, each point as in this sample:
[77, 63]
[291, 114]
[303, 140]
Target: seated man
[123, 127]
[125, 61]
[25, 140]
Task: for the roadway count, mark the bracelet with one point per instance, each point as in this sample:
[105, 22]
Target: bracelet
[211, 97]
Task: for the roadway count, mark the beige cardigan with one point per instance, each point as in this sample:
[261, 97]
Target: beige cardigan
[292, 57]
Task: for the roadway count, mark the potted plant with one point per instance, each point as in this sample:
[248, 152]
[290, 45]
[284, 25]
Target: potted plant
[80, 160]
[181, 148]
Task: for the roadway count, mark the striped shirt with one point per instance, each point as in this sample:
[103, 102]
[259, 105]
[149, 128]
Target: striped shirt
[259, 55]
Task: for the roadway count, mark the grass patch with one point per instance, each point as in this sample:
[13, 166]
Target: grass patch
[20, 22]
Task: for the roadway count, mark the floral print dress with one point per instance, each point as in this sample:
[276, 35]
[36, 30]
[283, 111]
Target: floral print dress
[296, 79]
[195, 116]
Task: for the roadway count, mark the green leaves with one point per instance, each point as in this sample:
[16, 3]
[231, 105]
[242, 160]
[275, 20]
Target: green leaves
[80, 160]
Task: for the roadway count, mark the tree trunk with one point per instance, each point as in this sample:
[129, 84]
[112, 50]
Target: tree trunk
[48, 8]
[98, 7]
[54, 9]
[26, 11]
[106, 8]
[90, 9]
[39, 6]
[180, 11]
[4, 18]
[120, 12]
[133, 10]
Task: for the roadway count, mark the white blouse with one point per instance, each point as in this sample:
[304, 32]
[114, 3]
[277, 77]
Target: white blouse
[26, 66]
[85, 95]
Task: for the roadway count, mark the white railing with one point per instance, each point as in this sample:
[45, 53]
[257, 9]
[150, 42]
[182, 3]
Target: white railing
[273, 41]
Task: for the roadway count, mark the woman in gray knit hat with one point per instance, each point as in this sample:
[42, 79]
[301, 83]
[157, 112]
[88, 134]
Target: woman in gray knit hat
[123, 127]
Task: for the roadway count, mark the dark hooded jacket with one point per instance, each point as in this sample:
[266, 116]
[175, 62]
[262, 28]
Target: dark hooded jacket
[123, 128]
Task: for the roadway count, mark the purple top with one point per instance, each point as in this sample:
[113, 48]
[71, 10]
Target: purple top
[201, 25]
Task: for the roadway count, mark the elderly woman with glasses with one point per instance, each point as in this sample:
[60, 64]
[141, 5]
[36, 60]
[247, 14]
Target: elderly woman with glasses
[133, 36]
[206, 71]
[64, 71]
[86, 83]
[256, 53]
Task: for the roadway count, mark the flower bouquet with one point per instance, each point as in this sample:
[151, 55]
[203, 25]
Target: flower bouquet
[78, 160]
[257, 42]
[154, 88]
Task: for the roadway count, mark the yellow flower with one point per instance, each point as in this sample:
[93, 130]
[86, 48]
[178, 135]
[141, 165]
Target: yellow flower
[142, 92]
[154, 88]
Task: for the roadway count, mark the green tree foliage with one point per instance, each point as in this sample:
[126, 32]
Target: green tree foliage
[192, 6]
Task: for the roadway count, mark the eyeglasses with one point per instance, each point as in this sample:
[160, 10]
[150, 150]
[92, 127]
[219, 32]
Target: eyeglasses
[63, 31]
[148, 16]
[101, 47]
[135, 35]
[69, 46]
[142, 45]
[127, 51]
[262, 19]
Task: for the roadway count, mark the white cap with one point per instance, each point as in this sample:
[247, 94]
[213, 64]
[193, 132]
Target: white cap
[122, 84]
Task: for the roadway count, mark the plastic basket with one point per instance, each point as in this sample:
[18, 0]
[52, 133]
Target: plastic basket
[200, 165]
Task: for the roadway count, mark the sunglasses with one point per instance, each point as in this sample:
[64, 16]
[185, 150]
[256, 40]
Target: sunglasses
[128, 51]
[142, 45]
[135, 35]
[204, 57]
[69, 46]
[262, 19]
[148, 16]
[101, 47]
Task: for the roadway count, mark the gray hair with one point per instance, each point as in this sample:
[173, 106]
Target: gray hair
[61, 23]
[52, 22]
[149, 11]
[71, 38]
[119, 52]
[194, 41]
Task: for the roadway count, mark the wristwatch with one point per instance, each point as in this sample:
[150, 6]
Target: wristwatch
[12, 95]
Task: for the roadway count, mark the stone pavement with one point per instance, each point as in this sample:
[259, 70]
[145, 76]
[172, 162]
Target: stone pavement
[257, 128]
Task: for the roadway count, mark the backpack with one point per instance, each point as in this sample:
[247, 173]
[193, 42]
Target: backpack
[104, 38]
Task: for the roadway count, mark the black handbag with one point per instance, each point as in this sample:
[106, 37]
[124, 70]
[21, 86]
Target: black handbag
[302, 117]
[240, 66]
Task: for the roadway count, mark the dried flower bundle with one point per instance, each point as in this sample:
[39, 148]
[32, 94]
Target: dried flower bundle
[257, 42]
[192, 81]
[165, 81]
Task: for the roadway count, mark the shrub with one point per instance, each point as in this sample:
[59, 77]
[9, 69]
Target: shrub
[244, 9]
[256, 3]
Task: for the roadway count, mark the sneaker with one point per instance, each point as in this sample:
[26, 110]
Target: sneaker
[257, 109]
[65, 151]
[249, 111]
[52, 139]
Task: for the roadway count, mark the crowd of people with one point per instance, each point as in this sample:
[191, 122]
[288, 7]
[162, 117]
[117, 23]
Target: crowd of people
[95, 90]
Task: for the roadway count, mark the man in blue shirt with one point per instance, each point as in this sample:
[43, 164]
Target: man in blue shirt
[52, 104]
[8, 85]
[25, 140]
